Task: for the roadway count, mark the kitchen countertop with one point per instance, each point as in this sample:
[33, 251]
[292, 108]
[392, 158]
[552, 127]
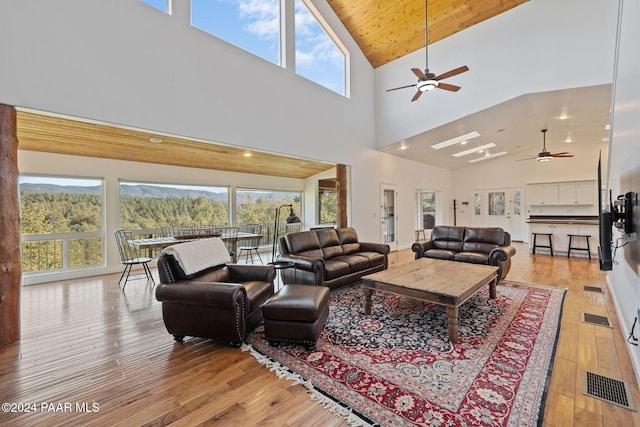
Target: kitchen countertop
[579, 220]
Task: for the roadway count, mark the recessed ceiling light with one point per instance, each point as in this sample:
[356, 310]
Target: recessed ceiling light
[479, 159]
[474, 150]
[155, 140]
[247, 153]
[605, 139]
[607, 127]
[455, 140]
[464, 142]
[403, 146]
[563, 117]
[568, 140]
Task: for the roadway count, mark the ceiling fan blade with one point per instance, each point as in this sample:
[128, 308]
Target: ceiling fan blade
[416, 96]
[452, 73]
[446, 86]
[401, 87]
[418, 72]
[561, 155]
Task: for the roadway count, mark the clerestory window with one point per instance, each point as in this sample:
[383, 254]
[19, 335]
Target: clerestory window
[253, 25]
[319, 58]
[162, 5]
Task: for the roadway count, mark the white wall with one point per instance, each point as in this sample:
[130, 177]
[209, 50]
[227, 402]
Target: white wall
[624, 168]
[539, 46]
[508, 172]
[123, 62]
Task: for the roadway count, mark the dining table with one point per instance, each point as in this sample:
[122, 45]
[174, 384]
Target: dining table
[165, 241]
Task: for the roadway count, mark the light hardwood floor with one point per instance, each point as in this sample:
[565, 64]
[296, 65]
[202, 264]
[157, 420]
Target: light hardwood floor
[86, 341]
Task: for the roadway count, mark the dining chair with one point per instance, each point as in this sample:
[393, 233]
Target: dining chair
[130, 256]
[250, 246]
[229, 236]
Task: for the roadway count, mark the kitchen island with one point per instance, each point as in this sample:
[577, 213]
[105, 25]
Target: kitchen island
[560, 226]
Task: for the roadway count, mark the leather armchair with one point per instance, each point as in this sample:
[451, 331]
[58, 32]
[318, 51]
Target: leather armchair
[222, 302]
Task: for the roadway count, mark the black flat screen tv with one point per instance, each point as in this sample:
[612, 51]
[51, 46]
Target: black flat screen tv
[605, 226]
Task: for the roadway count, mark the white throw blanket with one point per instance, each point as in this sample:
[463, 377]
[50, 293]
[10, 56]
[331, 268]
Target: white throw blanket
[198, 255]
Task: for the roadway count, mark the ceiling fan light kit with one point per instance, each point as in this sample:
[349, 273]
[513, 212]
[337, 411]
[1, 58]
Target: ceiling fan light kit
[426, 85]
[546, 156]
[428, 81]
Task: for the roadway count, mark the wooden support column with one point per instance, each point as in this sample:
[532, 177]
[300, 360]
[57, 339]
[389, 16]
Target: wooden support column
[10, 268]
[341, 195]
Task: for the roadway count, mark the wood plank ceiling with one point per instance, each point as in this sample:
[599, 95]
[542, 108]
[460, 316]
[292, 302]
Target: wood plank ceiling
[61, 135]
[386, 30]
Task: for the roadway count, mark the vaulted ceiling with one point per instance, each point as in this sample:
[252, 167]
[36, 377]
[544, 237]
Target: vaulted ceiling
[386, 30]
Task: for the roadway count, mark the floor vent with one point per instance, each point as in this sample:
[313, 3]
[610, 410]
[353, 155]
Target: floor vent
[594, 319]
[593, 289]
[608, 389]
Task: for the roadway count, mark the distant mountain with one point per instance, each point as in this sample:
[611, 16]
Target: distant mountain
[58, 189]
[163, 192]
[127, 190]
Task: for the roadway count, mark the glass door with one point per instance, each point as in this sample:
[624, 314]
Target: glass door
[504, 210]
[388, 216]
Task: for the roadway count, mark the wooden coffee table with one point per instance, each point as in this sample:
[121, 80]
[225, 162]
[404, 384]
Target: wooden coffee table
[447, 283]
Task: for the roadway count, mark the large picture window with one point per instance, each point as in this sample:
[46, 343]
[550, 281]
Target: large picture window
[145, 205]
[61, 223]
[327, 201]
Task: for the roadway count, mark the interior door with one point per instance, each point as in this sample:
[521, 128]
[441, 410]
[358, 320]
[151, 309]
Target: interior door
[504, 209]
[389, 223]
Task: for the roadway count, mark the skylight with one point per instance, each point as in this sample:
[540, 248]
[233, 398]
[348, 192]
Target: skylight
[457, 139]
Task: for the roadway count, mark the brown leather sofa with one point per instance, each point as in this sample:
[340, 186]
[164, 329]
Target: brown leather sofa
[222, 302]
[477, 245]
[330, 257]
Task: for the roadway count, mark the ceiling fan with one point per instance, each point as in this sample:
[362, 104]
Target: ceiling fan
[428, 81]
[544, 155]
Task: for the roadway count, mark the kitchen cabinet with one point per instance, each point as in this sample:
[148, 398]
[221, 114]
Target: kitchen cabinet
[542, 194]
[562, 193]
[572, 193]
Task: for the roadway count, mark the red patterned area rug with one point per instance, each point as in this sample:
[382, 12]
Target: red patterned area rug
[396, 367]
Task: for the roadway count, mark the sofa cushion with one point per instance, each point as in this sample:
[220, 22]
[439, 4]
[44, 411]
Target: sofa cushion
[482, 239]
[329, 243]
[448, 237]
[374, 258]
[356, 262]
[440, 253]
[472, 257]
[490, 235]
[348, 239]
[334, 268]
[302, 241]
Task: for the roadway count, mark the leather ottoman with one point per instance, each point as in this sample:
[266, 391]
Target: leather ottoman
[297, 314]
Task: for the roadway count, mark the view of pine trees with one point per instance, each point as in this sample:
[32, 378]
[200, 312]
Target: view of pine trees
[54, 209]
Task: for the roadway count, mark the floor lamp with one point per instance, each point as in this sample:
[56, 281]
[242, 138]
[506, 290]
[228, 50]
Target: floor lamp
[291, 219]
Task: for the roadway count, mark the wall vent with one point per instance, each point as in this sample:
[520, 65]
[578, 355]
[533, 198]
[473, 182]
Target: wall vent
[608, 389]
[593, 289]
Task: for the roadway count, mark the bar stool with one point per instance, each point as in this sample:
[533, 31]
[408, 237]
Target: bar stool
[588, 249]
[418, 233]
[536, 245]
